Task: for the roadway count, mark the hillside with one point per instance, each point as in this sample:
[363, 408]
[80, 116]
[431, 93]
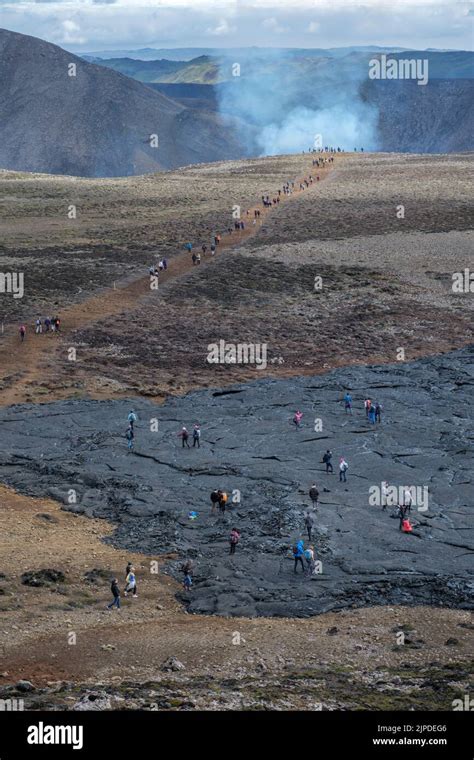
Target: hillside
[97, 123]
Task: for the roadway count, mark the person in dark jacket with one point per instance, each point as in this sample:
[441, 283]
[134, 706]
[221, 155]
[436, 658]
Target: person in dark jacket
[314, 495]
[114, 587]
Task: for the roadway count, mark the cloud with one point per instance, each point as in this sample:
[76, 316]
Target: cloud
[71, 33]
[129, 24]
[273, 26]
[223, 28]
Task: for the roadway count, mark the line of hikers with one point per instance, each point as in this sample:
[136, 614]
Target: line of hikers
[46, 325]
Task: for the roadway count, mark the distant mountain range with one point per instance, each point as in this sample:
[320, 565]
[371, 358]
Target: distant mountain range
[98, 122]
[186, 54]
[212, 69]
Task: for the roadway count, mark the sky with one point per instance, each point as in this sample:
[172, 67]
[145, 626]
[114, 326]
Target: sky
[94, 25]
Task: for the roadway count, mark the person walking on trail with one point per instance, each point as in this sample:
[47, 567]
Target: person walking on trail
[314, 495]
[57, 324]
[132, 418]
[165, 264]
[367, 405]
[203, 248]
[184, 435]
[327, 461]
[213, 249]
[309, 522]
[378, 412]
[198, 258]
[214, 499]
[309, 558]
[401, 514]
[222, 501]
[348, 403]
[298, 551]
[38, 327]
[343, 467]
[47, 324]
[234, 539]
[407, 499]
[187, 570]
[22, 332]
[298, 416]
[197, 436]
[187, 582]
[130, 436]
[371, 414]
[114, 587]
[194, 258]
[189, 247]
[131, 583]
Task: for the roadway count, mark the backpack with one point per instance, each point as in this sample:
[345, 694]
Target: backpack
[407, 526]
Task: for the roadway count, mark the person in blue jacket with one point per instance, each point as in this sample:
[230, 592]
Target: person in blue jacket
[298, 552]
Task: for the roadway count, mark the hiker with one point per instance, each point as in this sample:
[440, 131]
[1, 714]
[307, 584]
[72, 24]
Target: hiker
[371, 414]
[309, 557]
[165, 264]
[222, 501]
[384, 494]
[297, 418]
[132, 418]
[401, 514]
[298, 554]
[130, 435]
[348, 402]
[187, 569]
[407, 527]
[57, 324]
[327, 461]
[314, 495]
[47, 324]
[160, 265]
[114, 587]
[309, 522]
[189, 247]
[194, 258]
[131, 582]
[213, 249]
[343, 467]
[22, 332]
[407, 500]
[203, 248]
[367, 405]
[233, 540]
[38, 327]
[378, 412]
[197, 436]
[184, 437]
[214, 499]
[187, 582]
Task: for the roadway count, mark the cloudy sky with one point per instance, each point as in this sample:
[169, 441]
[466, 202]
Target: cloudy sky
[88, 25]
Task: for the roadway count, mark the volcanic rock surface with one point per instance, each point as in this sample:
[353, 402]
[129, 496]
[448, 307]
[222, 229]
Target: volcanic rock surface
[251, 449]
